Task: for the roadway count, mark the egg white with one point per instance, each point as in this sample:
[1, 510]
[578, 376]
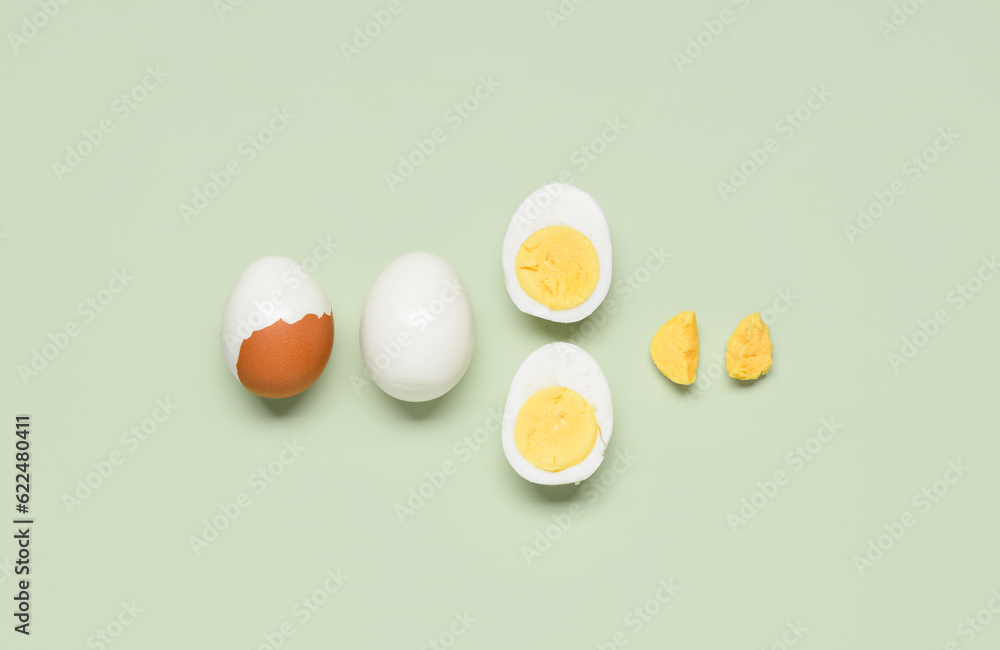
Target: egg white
[418, 319]
[558, 204]
[272, 288]
[567, 365]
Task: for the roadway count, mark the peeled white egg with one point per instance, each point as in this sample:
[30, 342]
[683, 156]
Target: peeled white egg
[417, 328]
[567, 366]
[554, 205]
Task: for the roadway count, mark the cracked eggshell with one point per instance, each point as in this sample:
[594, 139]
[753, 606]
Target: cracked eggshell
[277, 328]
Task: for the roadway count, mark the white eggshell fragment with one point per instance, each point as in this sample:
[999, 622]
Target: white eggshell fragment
[417, 328]
[569, 366]
[557, 204]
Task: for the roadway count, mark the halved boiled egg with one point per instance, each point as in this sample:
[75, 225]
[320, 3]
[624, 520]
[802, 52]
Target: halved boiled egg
[557, 422]
[557, 254]
[277, 328]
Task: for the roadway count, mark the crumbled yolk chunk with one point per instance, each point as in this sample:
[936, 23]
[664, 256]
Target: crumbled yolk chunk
[558, 267]
[748, 355]
[555, 429]
[675, 348]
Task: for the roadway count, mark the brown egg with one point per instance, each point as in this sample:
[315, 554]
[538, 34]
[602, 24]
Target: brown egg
[277, 328]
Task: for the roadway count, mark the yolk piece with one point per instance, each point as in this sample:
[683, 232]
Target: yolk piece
[555, 429]
[675, 348]
[284, 359]
[748, 355]
[558, 267]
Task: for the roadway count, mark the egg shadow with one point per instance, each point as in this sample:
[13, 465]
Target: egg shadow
[419, 410]
[556, 493]
[544, 493]
[280, 407]
[268, 406]
[551, 329]
[681, 389]
[424, 410]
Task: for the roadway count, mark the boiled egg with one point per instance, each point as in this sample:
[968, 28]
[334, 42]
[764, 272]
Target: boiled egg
[417, 330]
[277, 328]
[557, 254]
[748, 353]
[675, 348]
[557, 421]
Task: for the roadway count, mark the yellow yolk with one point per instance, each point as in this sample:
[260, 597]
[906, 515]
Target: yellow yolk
[748, 355]
[558, 267]
[675, 348]
[556, 428]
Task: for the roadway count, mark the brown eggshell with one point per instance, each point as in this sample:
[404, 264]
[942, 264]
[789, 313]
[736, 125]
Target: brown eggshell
[284, 359]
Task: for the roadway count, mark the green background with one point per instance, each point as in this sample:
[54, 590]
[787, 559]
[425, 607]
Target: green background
[697, 452]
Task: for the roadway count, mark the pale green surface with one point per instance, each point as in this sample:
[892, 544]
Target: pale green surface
[696, 458]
